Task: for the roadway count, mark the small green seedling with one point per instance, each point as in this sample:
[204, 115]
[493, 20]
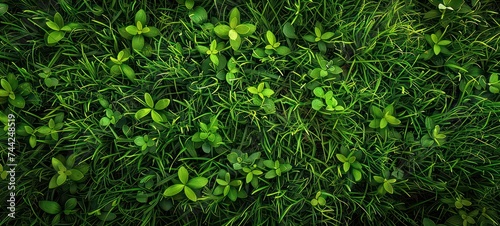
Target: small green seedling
[229, 188]
[112, 117]
[240, 160]
[235, 31]
[152, 108]
[145, 142]
[186, 184]
[319, 199]
[232, 70]
[434, 137]
[53, 127]
[261, 91]
[66, 169]
[438, 45]
[383, 118]
[208, 135]
[325, 99]
[494, 83]
[49, 81]
[463, 218]
[350, 164]
[446, 7]
[139, 30]
[119, 67]
[54, 208]
[213, 51]
[320, 37]
[13, 92]
[252, 174]
[265, 100]
[58, 28]
[386, 185]
[276, 168]
[325, 69]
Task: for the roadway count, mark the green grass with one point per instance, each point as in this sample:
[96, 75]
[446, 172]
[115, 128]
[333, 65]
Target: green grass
[380, 47]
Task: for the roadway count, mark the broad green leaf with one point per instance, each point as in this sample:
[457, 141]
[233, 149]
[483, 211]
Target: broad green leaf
[253, 90]
[52, 25]
[183, 175]
[234, 17]
[51, 82]
[3, 8]
[214, 59]
[388, 187]
[7, 87]
[198, 15]
[270, 37]
[128, 71]
[50, 207]
[379, 179]
[289, 30]
[75, 175]
[392, 120]
[219, 190]
[221, 182]
[321, 201]
[346, 166]
[315, 73]
[55, 36]
[107, 216]
[70, 204]
[230, 78]
[149, 100]
[341, 157]
[222, 31]
[317, 104]
[444, 42]
[32, 141]
[173, 190]
[317, 31]
[283, 50]
[197, 182]
[434, 38]
[235, 44]
[322, 47]
[327, 35]
[377, 112]
[131, 29]
[153, 32]
[53, 182]
[243, 29]
[249, 177]
[233, 35]
[139, 141]
[429, 123]
[314, 202]
[319, 92]
[61, 179]
[437, 49]
[18, 102]
[190, 194]
[56, 164]
[267, 92]
[140, 16]
[466, 202]
[162, 104]
[58, 20]
[269, 164]
[142, 113]
[458, 204]
[138, 42]
[270, 174]
[309, 38]
[356, 174]
[231, 193]
[189, 4]
[383, 123]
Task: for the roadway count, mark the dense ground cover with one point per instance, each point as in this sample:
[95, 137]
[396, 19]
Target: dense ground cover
[290, 112]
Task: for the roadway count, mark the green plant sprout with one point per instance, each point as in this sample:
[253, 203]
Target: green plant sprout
[438, 45]
[58, 28]
[434, 136]
[139, 30]
[152, 108]
[235, 31]
[119, 67]
[233, 70]
[265, 101]
[350, 164]
[320, 37]
[240, 160]
[494, 83]
[146, 143]
[329, 101]
[383, 118]
[13, 92]
[187, 185]
[276, 168]
[53, 127]
[229, 188]
[112, 117]
[386, 185]
[319, 199]
[49, 81]
[325, 69]
[66, 169]
[252, 172]
[54, 208]
[212, 51]
[208, 135]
